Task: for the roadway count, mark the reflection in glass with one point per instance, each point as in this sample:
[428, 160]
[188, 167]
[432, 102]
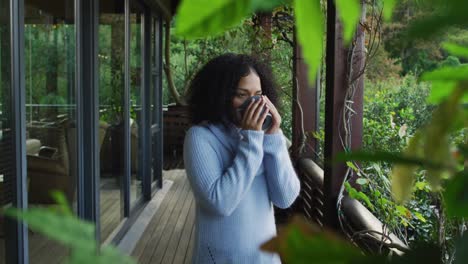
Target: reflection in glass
[49, 55]
[136, 17]
[152, 100]
[6, 142]
[111, 58]
[154, 103]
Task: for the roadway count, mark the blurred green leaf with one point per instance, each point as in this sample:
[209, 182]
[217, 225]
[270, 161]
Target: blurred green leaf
[463, 150]
[63, 228]
[402, 182]
[388, 8]
[422, 253]
[403, 175]
[301, 242]
[450, 13]
[381, 156]
[350, 13]
[461, 255]
[62, 202]
[456, 195]
[262, 5]
[201, 18]
[72, 232]
[310, 30]
[456, 50]
[459, 73]
[429, 26]
[440, 91]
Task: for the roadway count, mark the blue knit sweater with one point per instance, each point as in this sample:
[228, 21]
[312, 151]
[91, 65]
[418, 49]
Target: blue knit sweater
[236, 177]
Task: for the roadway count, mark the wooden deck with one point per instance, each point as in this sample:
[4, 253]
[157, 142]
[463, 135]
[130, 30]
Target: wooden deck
[169, 236]
[167, 239]
[43, 250]
[110, 209]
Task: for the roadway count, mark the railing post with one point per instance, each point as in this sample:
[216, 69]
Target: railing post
[338, 78]
[305, 109]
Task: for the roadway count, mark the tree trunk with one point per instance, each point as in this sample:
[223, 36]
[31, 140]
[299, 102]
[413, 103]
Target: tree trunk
[167, 66]
[262, 42]
[51, 77]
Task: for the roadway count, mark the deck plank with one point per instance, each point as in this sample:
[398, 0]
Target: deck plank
[177, 230]
[188, 256]
[169, 235]
[184, 242]
[144, 244]
[167, 239]
[165, 236]
[155, 237]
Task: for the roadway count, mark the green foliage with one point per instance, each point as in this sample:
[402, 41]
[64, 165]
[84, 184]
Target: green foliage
[381, 68]
[396, 116]
[49, 67]
[435, 156]
[355, 194]
[210, 16]
[59, 224]
[393, 110]
[187, 57]
[52, 98]
[450, 61]
[447, 13]
[302, 242]
[211, 19]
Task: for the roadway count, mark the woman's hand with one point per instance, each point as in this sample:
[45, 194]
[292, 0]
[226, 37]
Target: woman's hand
[253, 118]
[275, 127]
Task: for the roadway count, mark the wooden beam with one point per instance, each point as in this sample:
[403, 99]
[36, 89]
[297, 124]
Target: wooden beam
[339, 75]
[305, 109]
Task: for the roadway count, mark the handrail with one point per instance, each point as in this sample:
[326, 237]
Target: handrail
[361, 219]
[369, 225]
[312, 169]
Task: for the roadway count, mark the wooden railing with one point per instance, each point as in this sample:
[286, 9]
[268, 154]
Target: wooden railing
[367, 231]
[311, 197]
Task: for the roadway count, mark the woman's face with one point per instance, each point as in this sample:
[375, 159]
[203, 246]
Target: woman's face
[247, 87]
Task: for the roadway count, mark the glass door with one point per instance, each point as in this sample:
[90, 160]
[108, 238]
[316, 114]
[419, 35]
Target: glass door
[7, 170]
[111, 58]
[49, 60]
[136, 90]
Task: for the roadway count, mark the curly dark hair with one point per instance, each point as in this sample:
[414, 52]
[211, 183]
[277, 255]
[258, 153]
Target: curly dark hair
[213, 87]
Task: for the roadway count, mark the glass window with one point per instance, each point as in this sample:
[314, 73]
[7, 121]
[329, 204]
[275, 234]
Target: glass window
[111, 58]
[136, 20]
[155, 95]
[7, 183]
[49, 57]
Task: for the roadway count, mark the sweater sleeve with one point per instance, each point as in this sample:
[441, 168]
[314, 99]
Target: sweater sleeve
[217, 189]
[283, 183]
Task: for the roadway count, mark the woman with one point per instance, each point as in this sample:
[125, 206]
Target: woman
[237, 171]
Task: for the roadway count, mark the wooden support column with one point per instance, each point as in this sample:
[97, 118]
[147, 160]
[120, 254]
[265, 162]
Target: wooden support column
[338, 59]
[305, 109]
